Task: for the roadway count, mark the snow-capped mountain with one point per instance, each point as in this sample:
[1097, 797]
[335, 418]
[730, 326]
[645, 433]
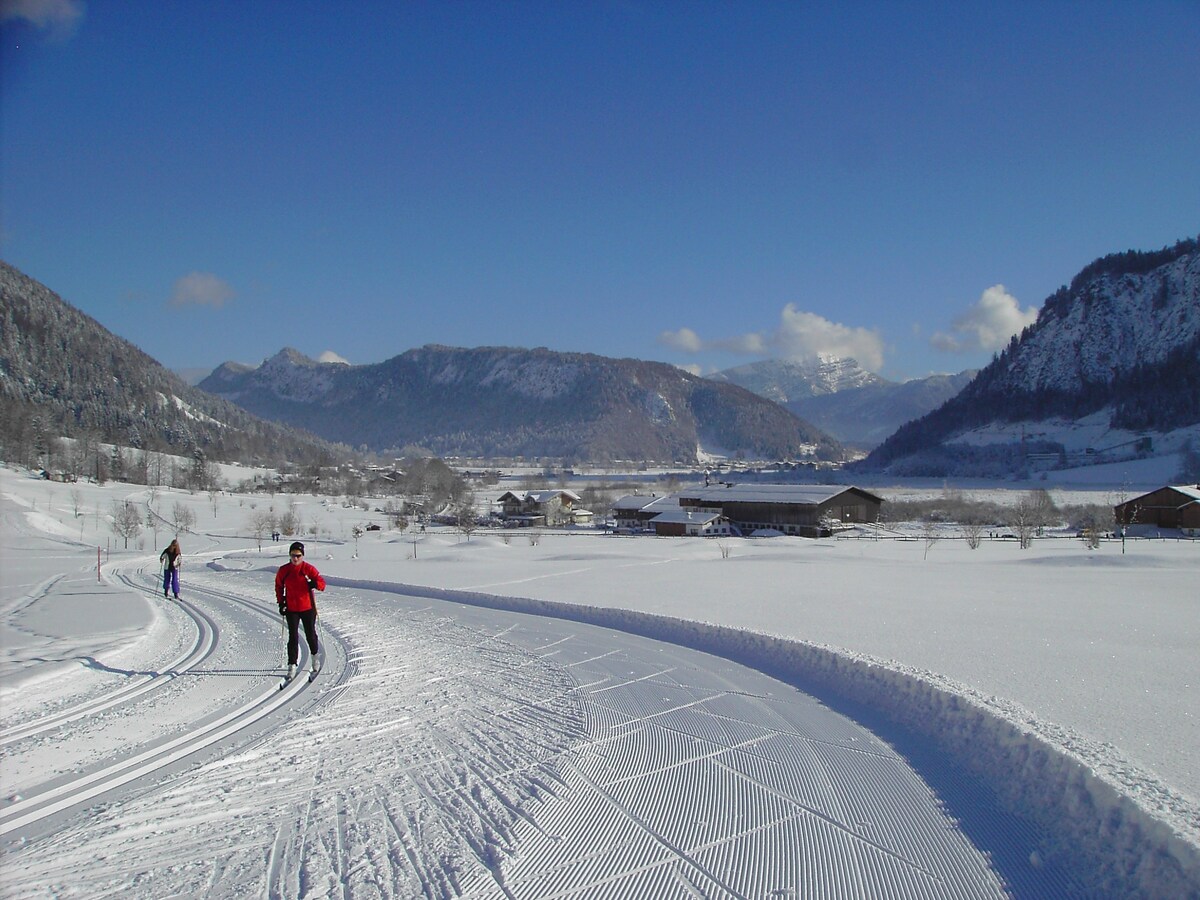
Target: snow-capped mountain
[839, 396]
[501, 401]
[1122, 343]
[786, 381]
[867, 415]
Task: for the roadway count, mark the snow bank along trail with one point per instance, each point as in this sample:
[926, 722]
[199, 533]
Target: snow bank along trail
[1117, 846]
[700, 777]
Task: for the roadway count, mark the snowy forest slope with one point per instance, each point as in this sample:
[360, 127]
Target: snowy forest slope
[1123, 337]
[63, 374]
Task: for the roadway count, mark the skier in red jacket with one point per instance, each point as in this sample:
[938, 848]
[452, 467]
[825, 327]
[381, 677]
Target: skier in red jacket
[294, 585]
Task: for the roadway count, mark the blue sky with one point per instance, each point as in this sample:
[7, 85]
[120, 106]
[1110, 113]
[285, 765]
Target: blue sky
[700, 183]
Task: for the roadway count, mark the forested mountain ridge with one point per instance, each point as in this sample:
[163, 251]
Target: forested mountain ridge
[1123, 337]
[504, 401]
[63, 374]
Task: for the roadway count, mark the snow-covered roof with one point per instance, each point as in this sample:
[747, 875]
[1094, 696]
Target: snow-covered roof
[1192, 492]
[634, 502]
[807, 494]
[546, 496]
[538, 496]
[686, 517]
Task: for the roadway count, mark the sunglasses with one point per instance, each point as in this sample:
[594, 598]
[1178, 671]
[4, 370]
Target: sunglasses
[296, 555]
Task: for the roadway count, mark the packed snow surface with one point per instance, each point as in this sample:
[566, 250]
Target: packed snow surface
[522, 714]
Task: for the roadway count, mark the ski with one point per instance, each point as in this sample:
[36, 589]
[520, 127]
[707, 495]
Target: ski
[287, 678]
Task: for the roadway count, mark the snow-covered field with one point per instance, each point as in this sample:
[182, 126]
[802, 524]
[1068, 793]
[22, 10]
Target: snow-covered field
[843, 718]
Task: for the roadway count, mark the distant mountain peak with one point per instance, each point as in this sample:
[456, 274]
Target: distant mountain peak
[789, 380]
[290, 356]
[841, 397]
[291, 375]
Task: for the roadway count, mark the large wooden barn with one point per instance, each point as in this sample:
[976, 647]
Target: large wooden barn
[803, 509]
[1171, 506]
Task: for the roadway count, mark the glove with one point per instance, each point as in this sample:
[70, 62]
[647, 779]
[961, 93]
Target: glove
[283, 609]
[312, 584]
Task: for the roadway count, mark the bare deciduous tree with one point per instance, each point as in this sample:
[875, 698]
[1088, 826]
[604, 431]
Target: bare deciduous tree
[973, 532]
[183, 517]
[291, 522]
[126, 520]
[1025, 518]
[261, 523]
[930, 535]
[152, 524]
[465, 515]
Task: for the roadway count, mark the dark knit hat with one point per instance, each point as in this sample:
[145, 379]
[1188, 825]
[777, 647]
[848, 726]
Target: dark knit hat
[296, 545]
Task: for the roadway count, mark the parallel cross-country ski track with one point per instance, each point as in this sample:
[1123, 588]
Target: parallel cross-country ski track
[206, 631]
[61, 794]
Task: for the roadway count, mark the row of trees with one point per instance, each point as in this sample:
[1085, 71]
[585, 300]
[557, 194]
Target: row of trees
[127, 519]
[1032, 513]
[29, 440]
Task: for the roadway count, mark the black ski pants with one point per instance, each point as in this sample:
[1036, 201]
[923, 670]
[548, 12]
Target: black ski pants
[309, 618]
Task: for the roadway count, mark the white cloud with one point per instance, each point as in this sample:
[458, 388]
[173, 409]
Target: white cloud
[328, 356]
[805, 335]
[684, 339]
[800, 335]
[61, 17]
[200, 289]
[988, 325]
